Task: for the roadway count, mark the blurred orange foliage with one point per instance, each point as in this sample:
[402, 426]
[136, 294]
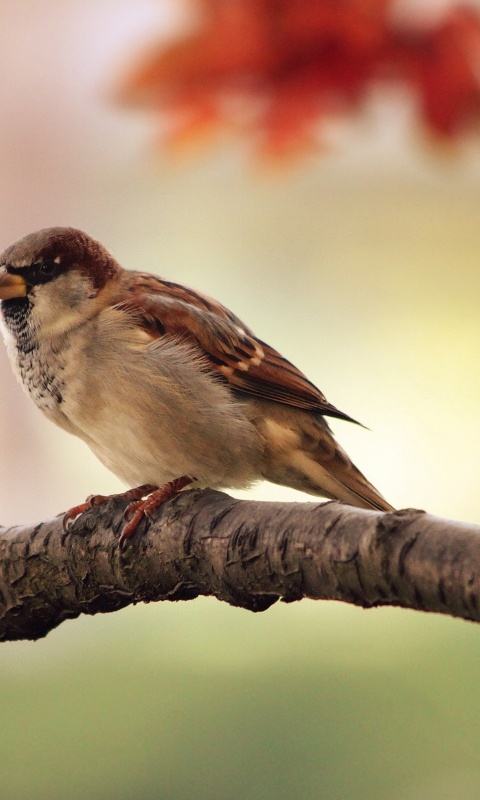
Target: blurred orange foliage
[278, 67]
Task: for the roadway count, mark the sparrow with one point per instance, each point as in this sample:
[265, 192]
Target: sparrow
[164, 384]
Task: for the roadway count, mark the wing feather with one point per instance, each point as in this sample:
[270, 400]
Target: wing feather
[248, 364]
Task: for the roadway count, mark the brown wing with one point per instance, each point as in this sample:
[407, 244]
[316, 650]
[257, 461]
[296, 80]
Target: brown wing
[249, 365]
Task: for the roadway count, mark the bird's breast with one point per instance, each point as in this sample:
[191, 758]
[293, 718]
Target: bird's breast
[150, 411]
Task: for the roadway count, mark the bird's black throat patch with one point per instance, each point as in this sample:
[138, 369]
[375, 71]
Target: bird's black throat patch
[16, 313]
[40, 377]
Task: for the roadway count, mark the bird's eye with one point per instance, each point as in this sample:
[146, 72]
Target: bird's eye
[47, 268]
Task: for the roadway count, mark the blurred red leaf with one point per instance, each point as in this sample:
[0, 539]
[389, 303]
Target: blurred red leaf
[279, 67]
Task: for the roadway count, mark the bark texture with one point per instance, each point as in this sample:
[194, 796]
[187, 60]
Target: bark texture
[249, 554]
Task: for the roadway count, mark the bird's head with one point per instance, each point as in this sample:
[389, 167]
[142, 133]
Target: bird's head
[53, 276]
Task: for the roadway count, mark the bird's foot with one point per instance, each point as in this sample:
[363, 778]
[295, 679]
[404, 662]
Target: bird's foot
[134, 495]
[139, 508]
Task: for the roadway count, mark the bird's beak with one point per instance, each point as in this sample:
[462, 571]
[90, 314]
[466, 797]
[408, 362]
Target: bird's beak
[11, 285]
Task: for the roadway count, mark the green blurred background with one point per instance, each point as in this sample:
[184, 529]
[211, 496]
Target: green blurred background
[361, 266]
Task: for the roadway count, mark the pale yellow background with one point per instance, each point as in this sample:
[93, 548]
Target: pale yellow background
[361, 265]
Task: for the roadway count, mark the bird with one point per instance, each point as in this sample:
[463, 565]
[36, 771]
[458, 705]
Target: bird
[166, 386]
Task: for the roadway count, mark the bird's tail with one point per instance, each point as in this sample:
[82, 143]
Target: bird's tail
[307, 457]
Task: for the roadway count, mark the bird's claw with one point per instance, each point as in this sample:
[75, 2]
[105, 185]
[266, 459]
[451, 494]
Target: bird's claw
[138, 509]
[71, 515]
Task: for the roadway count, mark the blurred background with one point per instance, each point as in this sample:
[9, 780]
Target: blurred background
[357, 260]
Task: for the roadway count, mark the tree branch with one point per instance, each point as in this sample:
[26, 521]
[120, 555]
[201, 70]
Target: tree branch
[249, 554]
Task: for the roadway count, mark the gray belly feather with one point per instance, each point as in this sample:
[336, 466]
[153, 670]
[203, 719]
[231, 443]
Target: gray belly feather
[150, 413]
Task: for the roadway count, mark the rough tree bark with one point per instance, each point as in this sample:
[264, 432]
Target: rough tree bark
[249, 554]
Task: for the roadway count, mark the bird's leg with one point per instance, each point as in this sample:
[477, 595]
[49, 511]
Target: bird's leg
[97, 499]
[139, 508]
